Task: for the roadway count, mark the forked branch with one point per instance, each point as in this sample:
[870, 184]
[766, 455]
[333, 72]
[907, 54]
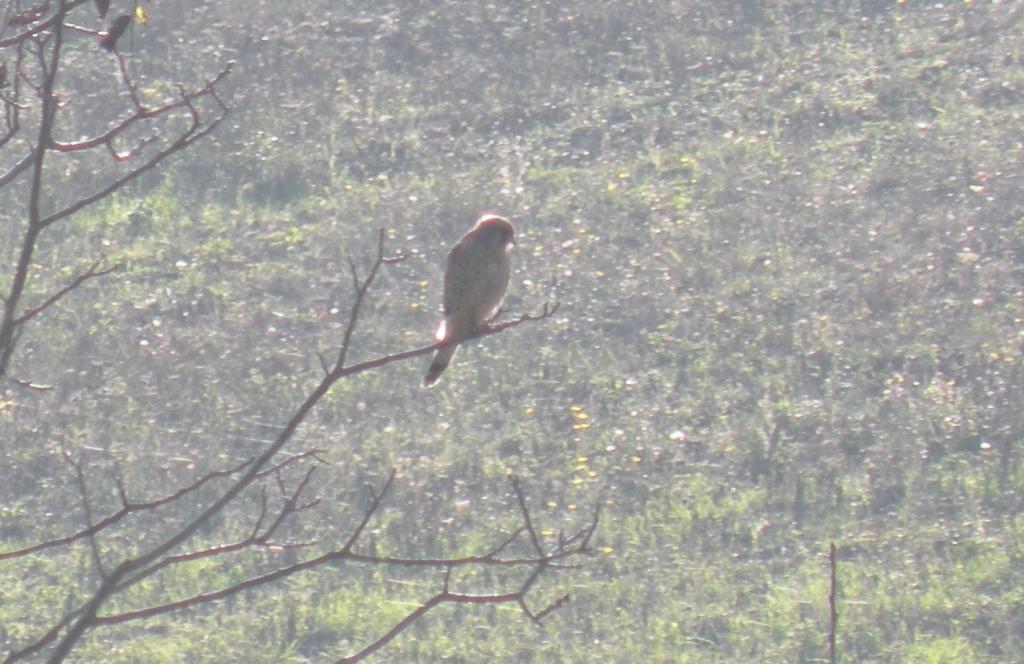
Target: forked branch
[131, 507]
[542, 560]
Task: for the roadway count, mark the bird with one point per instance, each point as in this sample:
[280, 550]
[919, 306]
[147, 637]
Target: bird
[475, 281]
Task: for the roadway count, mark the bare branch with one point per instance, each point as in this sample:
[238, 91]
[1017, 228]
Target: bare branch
[130, 507]
[540, 562]
[400, 627]
[554, 606]
[48, 64]
[526, 514]
[261, 516]
[195, 132]
[87, 506]
[548, 310]
[18, 168]
[255, 538]
[91, 273]
[291, 505]
[8, 326]
[369, 512]
[323, 362]
[360, 287]
[132, 570]
[125, 510]
[129, 84]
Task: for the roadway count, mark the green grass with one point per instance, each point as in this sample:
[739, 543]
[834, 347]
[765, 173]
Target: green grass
[786, 242]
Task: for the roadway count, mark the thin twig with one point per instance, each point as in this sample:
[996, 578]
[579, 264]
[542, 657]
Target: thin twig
[126, 509]
[371, 510]
[526, 514]
[87, 507]
[18, 168]
[360, 287]
[91, 273]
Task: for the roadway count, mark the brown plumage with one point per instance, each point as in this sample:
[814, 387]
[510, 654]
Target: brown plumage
[474, 286]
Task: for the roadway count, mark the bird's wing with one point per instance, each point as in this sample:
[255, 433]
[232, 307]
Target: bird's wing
[458, 276]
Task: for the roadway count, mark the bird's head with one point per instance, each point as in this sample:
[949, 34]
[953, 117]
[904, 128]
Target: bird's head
[495, 229]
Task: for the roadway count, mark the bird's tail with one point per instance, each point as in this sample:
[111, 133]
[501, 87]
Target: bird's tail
[440, 363]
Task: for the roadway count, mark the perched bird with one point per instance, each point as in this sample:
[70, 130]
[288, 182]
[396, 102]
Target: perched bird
[474, 285]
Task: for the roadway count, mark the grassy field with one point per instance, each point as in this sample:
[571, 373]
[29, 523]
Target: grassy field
[787, 241]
